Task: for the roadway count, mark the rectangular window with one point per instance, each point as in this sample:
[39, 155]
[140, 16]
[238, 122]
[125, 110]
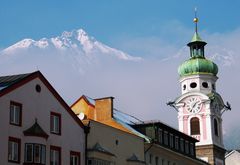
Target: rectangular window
[35, 153]
[156, 160]
[15, 113]
[181, 145]
[14, 148]
[74, 158]
[165, 137]
[171, 140]
[192, 149]
[187, 147]
[150, 158]
[163, 161]
[55, 155]
[160, 136]
[55, 123]
[176, 142]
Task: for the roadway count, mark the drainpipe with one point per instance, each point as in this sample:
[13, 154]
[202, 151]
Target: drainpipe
[145, 152]
[86, 131]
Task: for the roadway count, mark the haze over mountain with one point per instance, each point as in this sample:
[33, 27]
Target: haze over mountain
[76, 64]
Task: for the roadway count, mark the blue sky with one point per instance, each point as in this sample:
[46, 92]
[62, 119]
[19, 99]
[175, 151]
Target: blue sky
[112, 21]
[152, 29]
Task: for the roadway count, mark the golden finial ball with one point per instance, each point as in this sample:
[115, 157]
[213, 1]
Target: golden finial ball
[195, 20]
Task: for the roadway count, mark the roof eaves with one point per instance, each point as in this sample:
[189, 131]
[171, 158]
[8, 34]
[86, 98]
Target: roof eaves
[38, 74]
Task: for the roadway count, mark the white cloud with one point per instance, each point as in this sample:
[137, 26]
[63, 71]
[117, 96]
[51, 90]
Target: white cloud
[140, 88]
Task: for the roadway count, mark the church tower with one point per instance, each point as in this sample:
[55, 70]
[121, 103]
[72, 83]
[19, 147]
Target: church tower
[200, 107]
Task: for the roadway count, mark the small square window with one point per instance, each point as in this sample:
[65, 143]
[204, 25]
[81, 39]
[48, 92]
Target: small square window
[15, 113]
[55, 123]
[74, 158]
[14, 148]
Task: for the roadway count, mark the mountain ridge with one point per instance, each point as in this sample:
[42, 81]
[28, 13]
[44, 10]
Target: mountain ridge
[74, 40]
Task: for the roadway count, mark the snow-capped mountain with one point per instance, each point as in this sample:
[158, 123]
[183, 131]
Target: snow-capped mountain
[76, 40]
[74, 50]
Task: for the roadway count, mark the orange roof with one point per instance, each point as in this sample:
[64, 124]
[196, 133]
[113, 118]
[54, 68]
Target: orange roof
[88, 111]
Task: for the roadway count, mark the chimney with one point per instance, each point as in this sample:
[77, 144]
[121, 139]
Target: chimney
[104, 108]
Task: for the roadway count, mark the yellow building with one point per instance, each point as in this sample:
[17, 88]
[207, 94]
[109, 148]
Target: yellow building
[109, 141]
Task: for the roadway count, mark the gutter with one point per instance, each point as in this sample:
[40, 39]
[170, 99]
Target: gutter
[86, 131]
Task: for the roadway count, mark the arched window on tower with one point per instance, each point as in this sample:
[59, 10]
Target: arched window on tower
[215, 127]
[195, 126]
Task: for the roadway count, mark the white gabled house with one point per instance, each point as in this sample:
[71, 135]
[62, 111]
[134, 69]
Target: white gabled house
[37, 126]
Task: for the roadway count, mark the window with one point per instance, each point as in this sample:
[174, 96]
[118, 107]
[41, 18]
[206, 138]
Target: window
[35, 153]
[150, 158]
[187, 147]
[74, 158]
[163, 161]
[160, 135]
[215, 127]
[181, 145]
[14, 148]
[38, 88]
[192, 149]
[195, 127]
[213, 86]
[205, 84]
[171, 140]
[94, 161]
[55, 123]
[165, 137]
[176, 142]
[193, 85]
[15, 113]
[55, 155]
[184, 87]
[156, 160]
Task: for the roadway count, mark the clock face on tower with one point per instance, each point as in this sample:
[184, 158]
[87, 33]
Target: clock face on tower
[194, 105]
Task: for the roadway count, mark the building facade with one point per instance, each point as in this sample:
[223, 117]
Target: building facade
[168, 146]
[109, 141]
[35, 124]
[200, 107]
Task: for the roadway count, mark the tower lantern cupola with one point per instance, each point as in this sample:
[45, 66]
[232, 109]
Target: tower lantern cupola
[197, 44]
[197, 64]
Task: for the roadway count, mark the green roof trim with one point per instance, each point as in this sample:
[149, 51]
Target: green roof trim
[196, 37]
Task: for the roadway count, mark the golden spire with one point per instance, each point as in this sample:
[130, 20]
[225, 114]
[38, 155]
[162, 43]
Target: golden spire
[195, 20]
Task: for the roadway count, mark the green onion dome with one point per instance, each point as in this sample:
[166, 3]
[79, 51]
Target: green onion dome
[197, 65]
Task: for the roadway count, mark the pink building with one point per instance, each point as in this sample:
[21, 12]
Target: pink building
[37, 126]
